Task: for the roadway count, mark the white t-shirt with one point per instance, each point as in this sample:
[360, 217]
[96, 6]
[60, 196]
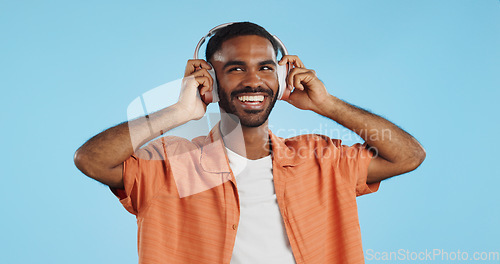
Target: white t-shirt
[261, 236]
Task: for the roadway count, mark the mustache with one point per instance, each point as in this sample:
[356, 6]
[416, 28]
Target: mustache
[258, 89]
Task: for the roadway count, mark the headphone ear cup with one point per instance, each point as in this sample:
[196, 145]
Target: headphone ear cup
[283, 92]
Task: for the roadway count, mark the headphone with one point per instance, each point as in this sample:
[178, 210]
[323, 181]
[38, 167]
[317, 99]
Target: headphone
[282, 70]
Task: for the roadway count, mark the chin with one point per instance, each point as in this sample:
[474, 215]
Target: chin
[250, 122]
[246, 117]
[253, 118]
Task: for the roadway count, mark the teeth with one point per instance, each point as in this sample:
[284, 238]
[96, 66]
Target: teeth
[254, 98]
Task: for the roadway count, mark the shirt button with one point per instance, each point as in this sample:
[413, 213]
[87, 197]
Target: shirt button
[235, 226]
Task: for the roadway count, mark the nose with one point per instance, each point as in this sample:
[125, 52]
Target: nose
[252, 79]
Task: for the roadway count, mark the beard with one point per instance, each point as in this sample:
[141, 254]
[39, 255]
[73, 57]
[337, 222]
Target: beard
[248, 118]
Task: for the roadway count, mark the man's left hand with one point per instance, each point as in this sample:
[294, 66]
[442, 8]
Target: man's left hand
[309, 93]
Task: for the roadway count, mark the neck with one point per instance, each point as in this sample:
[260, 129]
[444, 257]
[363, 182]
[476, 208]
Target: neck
[249, 142]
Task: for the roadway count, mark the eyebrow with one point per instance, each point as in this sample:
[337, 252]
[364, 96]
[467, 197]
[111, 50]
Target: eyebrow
[233, 63]
[242, 63]
[272, 62]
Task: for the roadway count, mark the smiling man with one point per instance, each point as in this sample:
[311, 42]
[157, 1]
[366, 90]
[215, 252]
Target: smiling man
[242, 194]
[251, 99]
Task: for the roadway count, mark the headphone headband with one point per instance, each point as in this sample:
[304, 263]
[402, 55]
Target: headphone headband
[281, 46]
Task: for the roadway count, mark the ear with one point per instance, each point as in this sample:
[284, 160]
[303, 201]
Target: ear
[286, 94]
[207, 97]
[211, 97]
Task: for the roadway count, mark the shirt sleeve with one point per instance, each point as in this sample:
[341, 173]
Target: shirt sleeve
[144, 173]
[354, 162]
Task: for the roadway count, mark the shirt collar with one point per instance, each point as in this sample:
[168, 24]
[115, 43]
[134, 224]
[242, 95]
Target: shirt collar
[283, 153]
[213, 154]
[214, 158]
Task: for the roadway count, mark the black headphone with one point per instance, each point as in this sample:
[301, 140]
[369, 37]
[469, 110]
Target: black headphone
[282, 70]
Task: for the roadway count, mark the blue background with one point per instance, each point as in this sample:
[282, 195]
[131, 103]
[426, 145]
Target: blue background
[70, 69]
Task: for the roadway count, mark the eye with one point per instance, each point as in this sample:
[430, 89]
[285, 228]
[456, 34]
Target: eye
[235, 69]
[267, 68]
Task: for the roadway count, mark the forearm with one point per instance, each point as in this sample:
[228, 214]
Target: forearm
[102, 156]
[388, 140]
[396, 151]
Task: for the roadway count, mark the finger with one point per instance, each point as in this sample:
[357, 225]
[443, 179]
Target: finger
[204, 84]
[302, 78]
[293, 60]
[194, 65]
[291, 75]
[204, 72]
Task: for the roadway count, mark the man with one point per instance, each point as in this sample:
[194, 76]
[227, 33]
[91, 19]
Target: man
[241, 194]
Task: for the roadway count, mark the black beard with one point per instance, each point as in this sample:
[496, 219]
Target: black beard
[224, 103]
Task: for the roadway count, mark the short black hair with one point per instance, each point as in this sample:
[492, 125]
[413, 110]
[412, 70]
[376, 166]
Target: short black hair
[235, 30]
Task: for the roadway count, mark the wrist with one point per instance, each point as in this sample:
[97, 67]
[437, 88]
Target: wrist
[329, 106]
[180, 113]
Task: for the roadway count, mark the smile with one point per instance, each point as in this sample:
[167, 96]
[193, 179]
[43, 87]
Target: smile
[251, 98]
[252, 101]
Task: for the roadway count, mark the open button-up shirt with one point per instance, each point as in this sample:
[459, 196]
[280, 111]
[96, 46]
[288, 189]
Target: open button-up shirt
[185, 198]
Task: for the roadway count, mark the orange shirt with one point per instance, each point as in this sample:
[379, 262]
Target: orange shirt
[186, 200]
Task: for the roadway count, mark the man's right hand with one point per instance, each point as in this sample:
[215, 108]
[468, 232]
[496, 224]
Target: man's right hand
[196, 84]
[102, 156]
